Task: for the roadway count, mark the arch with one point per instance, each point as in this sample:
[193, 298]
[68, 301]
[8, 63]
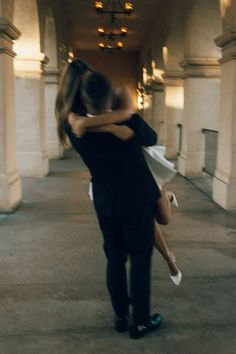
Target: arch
[228, 9]
[6, 9]
[50, 40]
[26, 19]
[202, 25]
[173, 52]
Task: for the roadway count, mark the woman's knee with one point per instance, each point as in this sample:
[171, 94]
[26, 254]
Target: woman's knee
[163, 220]
[162, 217]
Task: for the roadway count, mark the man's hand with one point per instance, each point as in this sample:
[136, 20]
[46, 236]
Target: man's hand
[77, 124]
[122, 132]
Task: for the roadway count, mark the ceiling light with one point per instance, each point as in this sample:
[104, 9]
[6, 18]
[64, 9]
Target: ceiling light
[128, 6]
[113, 33]
[98, 6]
[123, 31]
[101, 31]
[114, 7]
[110, 47]
[101, 45]
[119, 45]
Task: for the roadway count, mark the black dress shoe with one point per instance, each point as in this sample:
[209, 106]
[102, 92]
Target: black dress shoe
[138, 331]
[121, 324]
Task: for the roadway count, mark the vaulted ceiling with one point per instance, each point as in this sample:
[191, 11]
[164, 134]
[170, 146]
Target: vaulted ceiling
[83, 21]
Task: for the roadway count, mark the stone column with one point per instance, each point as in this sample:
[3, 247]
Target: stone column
[54, 149]
[10, 183]
[201, 97]
[32, 157]
[148, 108]
[224, 183]
[174, 102]
[159, 112]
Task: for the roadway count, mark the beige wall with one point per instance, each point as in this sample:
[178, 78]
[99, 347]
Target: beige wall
[120, 67]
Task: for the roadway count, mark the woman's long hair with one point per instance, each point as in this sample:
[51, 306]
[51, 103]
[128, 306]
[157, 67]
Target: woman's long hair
[68, 97]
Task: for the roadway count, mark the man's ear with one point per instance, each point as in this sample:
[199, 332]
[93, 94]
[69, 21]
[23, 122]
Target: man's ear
[83, 98]
[86, 74]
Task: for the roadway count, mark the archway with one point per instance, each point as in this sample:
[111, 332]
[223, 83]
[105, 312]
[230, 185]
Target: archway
[51, 75]
[30, 116]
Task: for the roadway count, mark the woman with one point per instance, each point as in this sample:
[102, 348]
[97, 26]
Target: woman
[70, 108]
[69, 100]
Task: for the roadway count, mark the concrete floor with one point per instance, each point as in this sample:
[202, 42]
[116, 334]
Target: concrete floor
[53, 298]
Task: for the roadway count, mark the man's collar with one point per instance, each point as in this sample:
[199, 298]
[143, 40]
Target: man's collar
[93, 115]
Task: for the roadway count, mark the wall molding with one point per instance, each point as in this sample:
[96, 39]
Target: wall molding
[227, 42]
[7, 28]
[201, 68]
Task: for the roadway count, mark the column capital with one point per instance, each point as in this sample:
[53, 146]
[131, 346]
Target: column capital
[201, 67]
[155, 85]
[7, 28]
[51, 75]
[174, 78]
[227, 42]
[8, 32]
[29, 62]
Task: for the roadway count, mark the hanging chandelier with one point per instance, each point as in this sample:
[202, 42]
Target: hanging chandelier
[113, 37]
[114, 7]
[111, 47]
[114, 33]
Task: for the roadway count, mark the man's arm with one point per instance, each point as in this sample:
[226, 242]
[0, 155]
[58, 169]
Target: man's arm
[120, 131]
[80, 124]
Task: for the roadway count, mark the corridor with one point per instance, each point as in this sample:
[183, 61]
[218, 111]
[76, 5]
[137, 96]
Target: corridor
[53, 298]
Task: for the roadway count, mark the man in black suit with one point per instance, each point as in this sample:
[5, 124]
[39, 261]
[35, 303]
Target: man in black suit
[124, 193]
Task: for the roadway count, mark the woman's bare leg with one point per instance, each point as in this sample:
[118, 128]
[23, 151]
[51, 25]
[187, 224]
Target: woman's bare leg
[162, 247]
[163, 208]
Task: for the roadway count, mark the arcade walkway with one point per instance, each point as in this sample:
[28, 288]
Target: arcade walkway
[52, 293]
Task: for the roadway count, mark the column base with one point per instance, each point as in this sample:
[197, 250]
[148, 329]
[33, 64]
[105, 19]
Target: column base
[190, 164]
[181, 164]
[32, 164]
[10, 192]
[171, 154]
[224, 190]
[54, 150]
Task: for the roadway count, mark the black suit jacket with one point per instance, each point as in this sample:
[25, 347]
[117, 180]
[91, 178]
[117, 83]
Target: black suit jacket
[122, 181]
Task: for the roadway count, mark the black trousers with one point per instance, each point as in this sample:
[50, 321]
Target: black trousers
[132, 235]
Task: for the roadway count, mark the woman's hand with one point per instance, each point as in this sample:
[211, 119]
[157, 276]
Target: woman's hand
[77, 124]
[121, 131]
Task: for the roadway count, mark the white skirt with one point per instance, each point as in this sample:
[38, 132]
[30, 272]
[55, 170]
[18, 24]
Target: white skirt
[162, 169]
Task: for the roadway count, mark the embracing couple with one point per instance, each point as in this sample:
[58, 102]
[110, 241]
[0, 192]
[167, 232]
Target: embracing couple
[126, 197]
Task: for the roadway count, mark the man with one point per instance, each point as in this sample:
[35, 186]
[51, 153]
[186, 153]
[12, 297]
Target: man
[124, 194]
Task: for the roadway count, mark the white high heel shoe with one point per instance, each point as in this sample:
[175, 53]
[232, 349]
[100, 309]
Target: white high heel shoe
[176, 278]
[172, 199]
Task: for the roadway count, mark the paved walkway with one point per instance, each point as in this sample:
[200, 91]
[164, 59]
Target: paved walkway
[53, 298]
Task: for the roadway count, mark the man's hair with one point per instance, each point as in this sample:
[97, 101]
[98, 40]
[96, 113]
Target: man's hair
[96, 90]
